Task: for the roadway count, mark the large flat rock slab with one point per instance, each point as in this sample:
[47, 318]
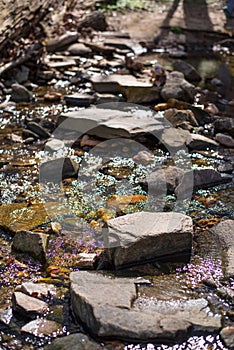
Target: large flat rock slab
[136, 238]
[106, 307]
[118, 121]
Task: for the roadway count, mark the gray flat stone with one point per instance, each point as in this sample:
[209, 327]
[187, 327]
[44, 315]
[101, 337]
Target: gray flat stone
[41, 328]
[38, 290]
[138, 237]
[80, 100]
[110, 311]
[79, 49]
[28, 305]
[224, 233]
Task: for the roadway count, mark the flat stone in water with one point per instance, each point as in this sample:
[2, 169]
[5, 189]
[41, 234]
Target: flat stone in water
[27, 305]
[41, 328]
[136, 238]
[106, 306]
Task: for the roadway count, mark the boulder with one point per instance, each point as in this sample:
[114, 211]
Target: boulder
[140, 237]
[177, 87]
[20, 93]
[114, 311]
[33, 243]
[27, 305]
[190, 73]
[42, 328]
[77, 341]
[224, 234]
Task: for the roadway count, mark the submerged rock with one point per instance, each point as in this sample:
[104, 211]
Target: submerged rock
[58, 169]
[27, 305]
[41, 328]
[119, 316]
[136, 238]
[33, 243]
[223, 232]
[77, 341]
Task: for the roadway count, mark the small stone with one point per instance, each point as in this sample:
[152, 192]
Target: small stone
[225, 140]
[225, 125]
[79, 49]
[60, 42]
[80, 100]
[177, 87]
[41, 328]
[95, 20]
[106, 98]
[33, 243]
[56, 227]
[86, 260]
[143, 157]
[227, 334]
[6, 315]
[178, 117]
[58, 169]
[20, 93]
[188, 70]
[54, 145]
[200, 142]
[38, 129]
[76, 341]
[25, 304]
[37, 290]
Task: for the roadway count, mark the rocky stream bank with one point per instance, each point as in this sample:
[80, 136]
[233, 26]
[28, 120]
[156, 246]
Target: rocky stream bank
[116, 182]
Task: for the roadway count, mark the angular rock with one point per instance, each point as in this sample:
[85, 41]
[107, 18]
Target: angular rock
[86, 260]
[38, 129]
[112, 312]
[80, 100]
[33, 243]
[227, 334]
[60, 42]
[20, 93]
[174, 138]
[54, 145]
[190, 73]
[42, 328]
[180, 118]
[95, 20]
[143, 157]
[225, 140]
[58, 169]
[37, 290]
[199, 178]
[224, 233]
[163, 180]
[27, 305]
[110, 123]
[139, 237]
[200, 142]
[177, 87]
[79, 49]
[6, 315]
[77, 341]
[106, 98]
[62, 65]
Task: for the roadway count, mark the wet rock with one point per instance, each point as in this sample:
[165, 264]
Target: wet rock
[27, 305]
[190, 73]
[54, 145]
[200, 142]
[181, 118]
[38, 130]
[33, 243]
[136, 238]
[119, 316]
[95, 20]
[37, 290]
[110, 123]
[225, 125]
[177, 87]
[76, 341]
[199, 178]
[224, 233]
[227, 335]
[225, 140]
[41, 328]
[20, 93]
[80, 100]
[58, 169]
[60, 42]
[79, 49]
